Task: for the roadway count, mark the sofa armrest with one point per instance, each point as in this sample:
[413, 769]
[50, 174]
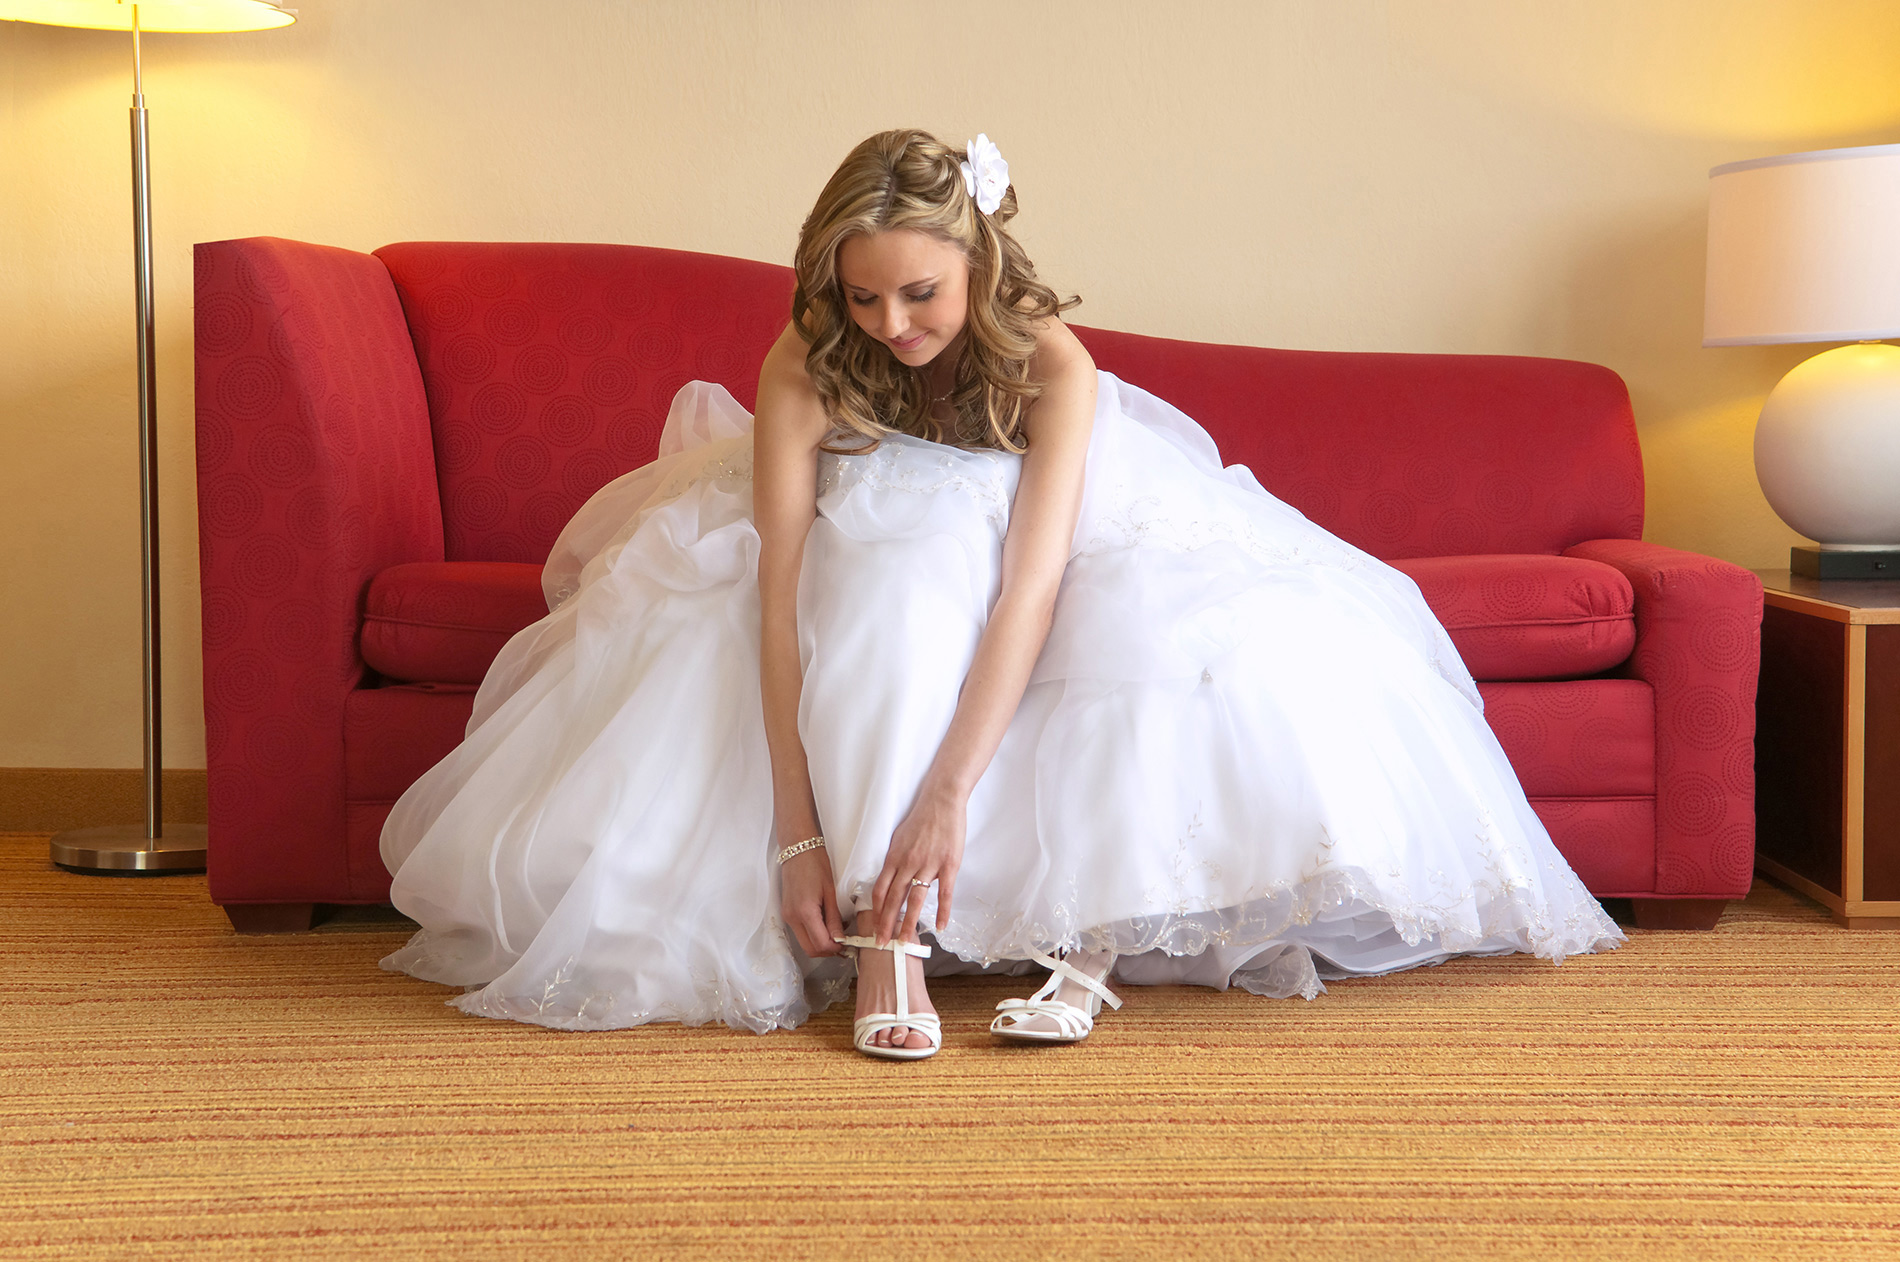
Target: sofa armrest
[1698, 644]
[315, 471]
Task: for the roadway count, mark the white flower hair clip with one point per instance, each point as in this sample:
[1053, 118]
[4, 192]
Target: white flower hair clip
[985, 174]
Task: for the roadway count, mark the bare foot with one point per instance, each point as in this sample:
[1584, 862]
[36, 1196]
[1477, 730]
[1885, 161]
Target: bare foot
[877, 989]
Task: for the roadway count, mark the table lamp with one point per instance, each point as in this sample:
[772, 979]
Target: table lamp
[1806, 248]
[155, 846]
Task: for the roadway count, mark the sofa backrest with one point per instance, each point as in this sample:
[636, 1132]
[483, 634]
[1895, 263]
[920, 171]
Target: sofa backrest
[1411, 455]
[315, 473]
[550, 368]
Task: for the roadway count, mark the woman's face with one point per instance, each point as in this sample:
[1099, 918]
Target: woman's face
[908, 290]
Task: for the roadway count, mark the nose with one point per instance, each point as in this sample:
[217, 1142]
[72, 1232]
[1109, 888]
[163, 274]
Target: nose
[891, 323]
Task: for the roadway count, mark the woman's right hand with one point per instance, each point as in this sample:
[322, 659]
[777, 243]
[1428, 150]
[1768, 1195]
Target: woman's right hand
[808, 902]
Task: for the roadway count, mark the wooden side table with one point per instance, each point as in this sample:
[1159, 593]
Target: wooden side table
[1827, 744]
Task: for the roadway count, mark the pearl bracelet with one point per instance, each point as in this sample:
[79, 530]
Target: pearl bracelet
[808, 844]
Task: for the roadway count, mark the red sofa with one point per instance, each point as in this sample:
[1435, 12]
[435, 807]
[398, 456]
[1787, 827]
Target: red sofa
[388, 445]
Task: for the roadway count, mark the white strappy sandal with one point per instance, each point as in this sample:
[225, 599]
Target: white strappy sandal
[1072, 1023]
[925, 1023]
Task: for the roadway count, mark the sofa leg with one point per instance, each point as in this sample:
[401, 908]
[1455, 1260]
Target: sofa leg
[1677, 913]
[271, 917]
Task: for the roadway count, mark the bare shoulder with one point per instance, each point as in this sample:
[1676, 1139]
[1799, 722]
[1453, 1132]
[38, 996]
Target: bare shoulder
[1064, 412]
[788, 402]
[784, 366]
[1060, 354]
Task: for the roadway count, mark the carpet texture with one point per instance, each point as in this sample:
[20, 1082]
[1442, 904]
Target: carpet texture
[172, 1089]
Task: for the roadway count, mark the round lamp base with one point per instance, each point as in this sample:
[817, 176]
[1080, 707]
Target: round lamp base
[125, 849]
[1827, 447]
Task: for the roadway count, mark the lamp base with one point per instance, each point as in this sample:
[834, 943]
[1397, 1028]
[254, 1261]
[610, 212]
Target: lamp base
[124, 849]
[1812, 562]
[1827, 447]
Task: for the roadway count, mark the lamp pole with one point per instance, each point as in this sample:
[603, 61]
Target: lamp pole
[152, 846]
[148, 437]
[124, 848]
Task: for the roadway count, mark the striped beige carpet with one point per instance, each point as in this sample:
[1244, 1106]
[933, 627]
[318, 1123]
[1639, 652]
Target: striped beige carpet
[172, 1089]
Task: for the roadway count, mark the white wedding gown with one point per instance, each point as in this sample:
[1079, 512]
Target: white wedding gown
[1248, 755]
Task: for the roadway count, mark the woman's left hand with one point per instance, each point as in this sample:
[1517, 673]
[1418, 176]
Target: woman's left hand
[927, 846]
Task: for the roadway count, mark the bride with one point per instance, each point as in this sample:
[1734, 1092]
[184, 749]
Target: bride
[959, 636]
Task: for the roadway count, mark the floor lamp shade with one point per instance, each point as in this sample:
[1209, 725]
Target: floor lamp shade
[152, 846]
[1806, 248]
[182, 16]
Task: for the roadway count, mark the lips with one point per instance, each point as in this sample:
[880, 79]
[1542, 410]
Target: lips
[912, 344]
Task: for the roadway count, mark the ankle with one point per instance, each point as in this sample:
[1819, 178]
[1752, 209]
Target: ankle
[864, 926]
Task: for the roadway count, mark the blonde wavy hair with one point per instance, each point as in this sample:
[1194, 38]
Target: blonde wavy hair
[910, 179]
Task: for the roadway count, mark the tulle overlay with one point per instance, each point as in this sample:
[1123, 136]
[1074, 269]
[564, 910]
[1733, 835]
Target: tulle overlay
[1248, 755]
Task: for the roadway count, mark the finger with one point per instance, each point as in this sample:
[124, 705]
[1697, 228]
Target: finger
[798, 932]
[834, 920]
[914, 910]
[828, 935]
[829, 930]
[813, 945]
[820, 934]
[946, 884]
[908, 907]
[882, 888]
[892, 911]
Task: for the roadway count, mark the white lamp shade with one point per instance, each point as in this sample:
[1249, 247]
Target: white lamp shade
[154, 15]
[1804, 248]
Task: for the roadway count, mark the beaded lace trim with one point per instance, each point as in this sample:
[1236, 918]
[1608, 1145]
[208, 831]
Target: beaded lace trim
[1504, 910]
[901, 464]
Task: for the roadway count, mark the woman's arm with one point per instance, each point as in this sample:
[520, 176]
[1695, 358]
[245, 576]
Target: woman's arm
[928, 845]
[786, 432]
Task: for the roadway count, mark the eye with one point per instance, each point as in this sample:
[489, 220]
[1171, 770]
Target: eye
[861, 301]
[926, 296]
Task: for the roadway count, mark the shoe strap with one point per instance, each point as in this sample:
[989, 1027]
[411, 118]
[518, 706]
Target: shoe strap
[1061, 968]
[925, 1023]
[865, 1029]
[895, 945]
[1070, 1021]
[898, 949]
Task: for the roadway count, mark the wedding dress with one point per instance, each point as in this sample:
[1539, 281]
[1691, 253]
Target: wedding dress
[1248, 754]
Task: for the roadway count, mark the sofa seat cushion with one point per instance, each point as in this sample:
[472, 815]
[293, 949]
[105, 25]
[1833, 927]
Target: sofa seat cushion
[443, 622]
[1530, 617]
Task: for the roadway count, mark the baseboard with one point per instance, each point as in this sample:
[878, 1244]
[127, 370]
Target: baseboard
[51, 799]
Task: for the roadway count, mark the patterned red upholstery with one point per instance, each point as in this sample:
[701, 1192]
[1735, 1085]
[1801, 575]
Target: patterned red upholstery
[1529, 617]
[1577, 738]
[392, 735]
[550, 369]
[1698, 644]
[1585, 752]
[1609, 841]
[1411, 455]
[315, 472]
[428, 418]
[444, 621]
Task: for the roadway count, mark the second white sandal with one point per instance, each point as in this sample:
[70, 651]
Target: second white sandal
[1070, 1023]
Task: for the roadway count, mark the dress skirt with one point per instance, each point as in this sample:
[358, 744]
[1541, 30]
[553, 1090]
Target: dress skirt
[1248, 755]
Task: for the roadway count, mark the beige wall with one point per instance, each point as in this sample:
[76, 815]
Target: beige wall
[1520, 176]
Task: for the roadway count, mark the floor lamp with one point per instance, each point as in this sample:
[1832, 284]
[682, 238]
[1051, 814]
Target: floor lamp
[152, 847]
